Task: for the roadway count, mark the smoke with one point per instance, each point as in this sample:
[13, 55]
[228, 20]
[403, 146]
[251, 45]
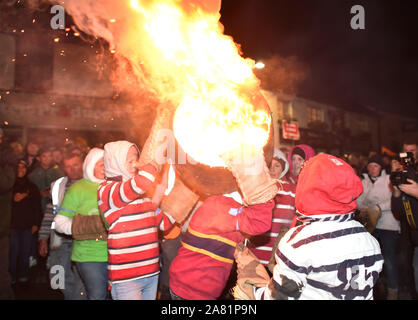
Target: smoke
[282, 74]
[139, 65]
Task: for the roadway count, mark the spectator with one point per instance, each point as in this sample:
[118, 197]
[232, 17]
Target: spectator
[31, 156]
[411, 146]
[57, 157]
[17, 149]
[8, 164]
[59, 244]
[283, 213]
[330, 255]
[296, 157]
[44, 175]
[79, 216]
[408, 253]
[387, 160]
[26, 218]
[375, 202]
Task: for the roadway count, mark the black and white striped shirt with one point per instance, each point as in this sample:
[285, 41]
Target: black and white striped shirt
[326, 258]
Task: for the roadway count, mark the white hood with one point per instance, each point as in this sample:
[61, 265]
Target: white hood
[280, 155]
[115, 159]
[90, 161]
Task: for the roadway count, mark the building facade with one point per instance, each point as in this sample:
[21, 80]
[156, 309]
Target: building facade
[336, 130]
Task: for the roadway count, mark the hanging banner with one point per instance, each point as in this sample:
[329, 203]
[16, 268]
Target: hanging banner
[290, 130]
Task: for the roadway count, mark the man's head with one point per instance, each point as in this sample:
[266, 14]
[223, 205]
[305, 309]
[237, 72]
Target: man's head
[298, 158]
[45, 158]
[375, 165]
[57, 155]
[396, 165]
[73, 166]
[17, 148]
[32, 148]
[411, 146]
[386, 160]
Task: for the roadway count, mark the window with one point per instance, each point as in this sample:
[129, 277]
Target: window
[287, 110]
[315, 114]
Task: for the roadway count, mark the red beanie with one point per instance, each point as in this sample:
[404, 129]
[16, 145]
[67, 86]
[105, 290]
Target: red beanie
[327, 185]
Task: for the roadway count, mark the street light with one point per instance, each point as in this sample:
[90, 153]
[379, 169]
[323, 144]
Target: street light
[259, 65]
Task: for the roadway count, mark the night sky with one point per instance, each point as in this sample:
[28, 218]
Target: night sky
[376, 67]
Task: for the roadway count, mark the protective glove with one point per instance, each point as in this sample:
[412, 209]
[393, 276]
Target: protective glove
[253, 177]
[251, 274]
[88, 228]
[179, 202]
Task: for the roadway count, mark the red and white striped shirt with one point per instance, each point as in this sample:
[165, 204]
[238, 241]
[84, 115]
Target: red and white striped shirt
[283, 214]
[132, 221]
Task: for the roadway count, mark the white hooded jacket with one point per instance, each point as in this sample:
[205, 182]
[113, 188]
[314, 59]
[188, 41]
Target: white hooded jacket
[115, 159]
[280, 155]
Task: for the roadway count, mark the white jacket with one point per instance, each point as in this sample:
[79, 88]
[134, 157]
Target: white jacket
[57, 194]
[379, 193]
[327, 258]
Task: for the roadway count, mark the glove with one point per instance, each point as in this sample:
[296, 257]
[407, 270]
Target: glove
[179, 202]
[88, 228]
[253, 179]
[149, 151]
[369, 217]
[251, 273]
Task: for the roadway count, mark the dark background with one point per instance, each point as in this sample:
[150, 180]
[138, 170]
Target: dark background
[376, 67]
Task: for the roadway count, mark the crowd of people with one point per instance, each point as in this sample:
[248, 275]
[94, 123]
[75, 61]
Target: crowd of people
[310, 226]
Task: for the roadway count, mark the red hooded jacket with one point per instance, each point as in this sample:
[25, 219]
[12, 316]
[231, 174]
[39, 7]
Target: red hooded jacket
[329, 187]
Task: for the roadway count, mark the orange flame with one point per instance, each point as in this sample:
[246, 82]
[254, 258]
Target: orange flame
[176, 50]
[215, 113]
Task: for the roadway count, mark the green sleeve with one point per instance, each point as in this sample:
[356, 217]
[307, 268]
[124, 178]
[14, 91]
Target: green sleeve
[69, 205]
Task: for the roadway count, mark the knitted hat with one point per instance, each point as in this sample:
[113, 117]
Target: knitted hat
[299, 152]
[376, 158]
[327, 186]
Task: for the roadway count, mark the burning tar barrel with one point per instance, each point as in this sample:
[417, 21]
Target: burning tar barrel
[205, 180]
